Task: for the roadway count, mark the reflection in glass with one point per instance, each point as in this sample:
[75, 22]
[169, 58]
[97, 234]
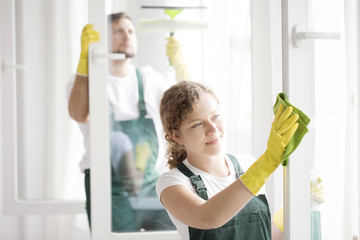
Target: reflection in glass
[317, 198]
[134, 152]
[134, 142]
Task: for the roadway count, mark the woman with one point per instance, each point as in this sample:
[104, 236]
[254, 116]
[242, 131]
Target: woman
[206, 193]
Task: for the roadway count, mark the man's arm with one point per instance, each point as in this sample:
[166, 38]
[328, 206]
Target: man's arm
[79, 99]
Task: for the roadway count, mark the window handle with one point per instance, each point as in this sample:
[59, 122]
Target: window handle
[95, 55]
[299, 35]
[8, 65]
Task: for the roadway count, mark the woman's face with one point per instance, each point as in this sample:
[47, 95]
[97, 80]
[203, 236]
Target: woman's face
[201, 132]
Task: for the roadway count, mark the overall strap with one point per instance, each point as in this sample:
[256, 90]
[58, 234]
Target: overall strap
[196, 181]
[141, 103]
[236, 164]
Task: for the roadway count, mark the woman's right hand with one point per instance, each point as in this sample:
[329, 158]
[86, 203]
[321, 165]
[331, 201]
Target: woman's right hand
[283, 128]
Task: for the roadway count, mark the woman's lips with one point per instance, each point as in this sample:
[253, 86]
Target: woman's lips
[216, 137]
[213, 142]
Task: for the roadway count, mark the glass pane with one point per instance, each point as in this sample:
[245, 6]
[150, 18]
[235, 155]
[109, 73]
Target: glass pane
[332, 137]
[49, 142]
[136, 140]
[137, 143]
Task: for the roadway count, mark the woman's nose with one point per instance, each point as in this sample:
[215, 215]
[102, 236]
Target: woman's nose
[211, 128]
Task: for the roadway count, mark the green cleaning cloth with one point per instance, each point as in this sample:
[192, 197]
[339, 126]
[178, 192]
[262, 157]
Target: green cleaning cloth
[300, 132]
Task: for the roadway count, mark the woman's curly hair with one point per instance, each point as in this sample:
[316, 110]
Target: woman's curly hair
[176, 104]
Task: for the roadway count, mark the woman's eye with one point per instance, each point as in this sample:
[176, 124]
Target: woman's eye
[197, 125]
[217, 116]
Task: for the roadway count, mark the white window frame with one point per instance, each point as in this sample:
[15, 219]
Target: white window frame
[297, 75]
[298, 83]
[99, 135]
[13, 204]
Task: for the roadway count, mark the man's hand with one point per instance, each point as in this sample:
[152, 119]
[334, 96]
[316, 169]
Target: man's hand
[174, 53]
[88, 36]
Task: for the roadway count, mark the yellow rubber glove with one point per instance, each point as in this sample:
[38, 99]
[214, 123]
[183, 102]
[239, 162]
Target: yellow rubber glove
[143, 152]
[279, 219]
[174, 53]
[88, 36]
[282, 129]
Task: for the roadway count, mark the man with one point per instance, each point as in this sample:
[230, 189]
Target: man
[134, 97]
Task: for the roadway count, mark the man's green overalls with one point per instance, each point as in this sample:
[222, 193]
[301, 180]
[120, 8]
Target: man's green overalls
[148, 213]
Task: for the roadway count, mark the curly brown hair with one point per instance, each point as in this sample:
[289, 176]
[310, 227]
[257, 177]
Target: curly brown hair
[176, 104]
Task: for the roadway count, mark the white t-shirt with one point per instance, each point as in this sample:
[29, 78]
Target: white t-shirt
[212, 183]
[124, 96]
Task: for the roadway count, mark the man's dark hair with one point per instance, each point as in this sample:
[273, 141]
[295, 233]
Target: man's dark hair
[117, 16]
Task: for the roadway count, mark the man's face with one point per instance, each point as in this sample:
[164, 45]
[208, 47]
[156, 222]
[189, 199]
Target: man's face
[122, 38]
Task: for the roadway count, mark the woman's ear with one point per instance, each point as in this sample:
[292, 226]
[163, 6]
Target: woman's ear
[176, 137]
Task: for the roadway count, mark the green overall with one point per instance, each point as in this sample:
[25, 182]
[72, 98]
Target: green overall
[125, 217]
[253, 222]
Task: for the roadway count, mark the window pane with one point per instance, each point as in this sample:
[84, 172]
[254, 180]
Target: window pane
[133, 187]
[333, 130]
[49, 143]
